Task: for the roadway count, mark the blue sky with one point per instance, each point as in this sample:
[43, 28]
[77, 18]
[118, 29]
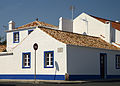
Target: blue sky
[49, 11]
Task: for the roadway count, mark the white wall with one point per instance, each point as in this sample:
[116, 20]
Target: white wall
[7, 64]
[117, 36]
[86, 61]
[10, 44]
[85, 24]
[45, 43]
[89, 25]
[82, 61]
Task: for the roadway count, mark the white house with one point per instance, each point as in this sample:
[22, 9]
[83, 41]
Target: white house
[63, 53]
[108, 30]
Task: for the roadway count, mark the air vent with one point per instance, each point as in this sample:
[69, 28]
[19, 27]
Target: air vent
[60, 50]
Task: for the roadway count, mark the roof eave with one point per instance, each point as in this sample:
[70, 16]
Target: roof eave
[93, 47]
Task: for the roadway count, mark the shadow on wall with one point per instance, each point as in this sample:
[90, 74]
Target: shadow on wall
[56, 69]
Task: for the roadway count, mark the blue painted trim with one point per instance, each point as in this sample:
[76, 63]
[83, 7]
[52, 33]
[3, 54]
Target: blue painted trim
[116, 62]
[113, 76]
[29, 31]
[84, 77]
[50, 77]
[53, 58]
[18, 37]
[105, 65]
[55, 77]
[31, 76]
[22, 59]
[18, 76]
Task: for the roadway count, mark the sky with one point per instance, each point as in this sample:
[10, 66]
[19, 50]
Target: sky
[49, 11]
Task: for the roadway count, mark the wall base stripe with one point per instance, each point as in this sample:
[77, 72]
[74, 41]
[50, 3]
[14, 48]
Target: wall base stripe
[39, 77]
[56, 77]
[113, 76]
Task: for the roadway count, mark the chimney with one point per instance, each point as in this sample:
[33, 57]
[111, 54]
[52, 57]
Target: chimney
[11, 25]
[109, 32]
[65, 24]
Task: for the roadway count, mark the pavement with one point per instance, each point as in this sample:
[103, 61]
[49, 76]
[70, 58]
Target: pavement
[55, 81]
[41, 81]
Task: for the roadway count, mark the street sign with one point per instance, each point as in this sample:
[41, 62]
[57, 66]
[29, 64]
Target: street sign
[35, 46]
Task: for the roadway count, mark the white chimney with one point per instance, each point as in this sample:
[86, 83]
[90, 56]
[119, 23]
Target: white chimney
[65, 24]
[109, 32]
[11, 25]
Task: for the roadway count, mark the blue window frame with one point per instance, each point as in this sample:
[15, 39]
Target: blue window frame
[48, 59]
[29, 31]
[117, 61]
[16, 37]
[26, 60]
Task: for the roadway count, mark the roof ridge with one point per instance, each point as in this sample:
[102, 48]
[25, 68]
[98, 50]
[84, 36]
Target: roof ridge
[46, 23]
[36, 23]
[71, 32]
[26, 24]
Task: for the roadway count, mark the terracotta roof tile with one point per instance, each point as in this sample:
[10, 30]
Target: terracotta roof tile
[36, 23]
[79, 39]
[115, 25]
[2, 48]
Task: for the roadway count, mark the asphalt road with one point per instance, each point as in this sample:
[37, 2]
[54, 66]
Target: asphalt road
[82, 84]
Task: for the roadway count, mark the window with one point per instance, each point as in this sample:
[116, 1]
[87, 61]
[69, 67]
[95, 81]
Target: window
[26, 57]
[117, 61]
[48, 59]
[29, 31]
[16, 37]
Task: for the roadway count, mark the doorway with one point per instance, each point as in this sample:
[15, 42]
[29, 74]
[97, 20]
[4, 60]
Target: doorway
[103, 60]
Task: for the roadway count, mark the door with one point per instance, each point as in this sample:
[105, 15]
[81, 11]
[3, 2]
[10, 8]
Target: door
[103, 57]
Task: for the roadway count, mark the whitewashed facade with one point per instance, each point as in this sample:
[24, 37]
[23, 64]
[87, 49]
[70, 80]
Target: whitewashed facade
[66, 61]
[86, 63]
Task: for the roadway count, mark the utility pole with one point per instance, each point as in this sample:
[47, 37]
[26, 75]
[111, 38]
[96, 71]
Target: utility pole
[72, 8]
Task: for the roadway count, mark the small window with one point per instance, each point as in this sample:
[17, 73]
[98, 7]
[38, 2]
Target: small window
[118, 61]
[26, 60]
[16, 37]
[29, 31]
[48, 59]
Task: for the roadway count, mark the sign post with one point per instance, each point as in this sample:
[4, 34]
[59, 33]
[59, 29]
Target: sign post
[35, 47]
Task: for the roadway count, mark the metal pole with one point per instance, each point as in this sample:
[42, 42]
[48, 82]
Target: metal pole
[72, 9]
[87, 27]
[35, 46]
[35, 65]
[72, 12]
